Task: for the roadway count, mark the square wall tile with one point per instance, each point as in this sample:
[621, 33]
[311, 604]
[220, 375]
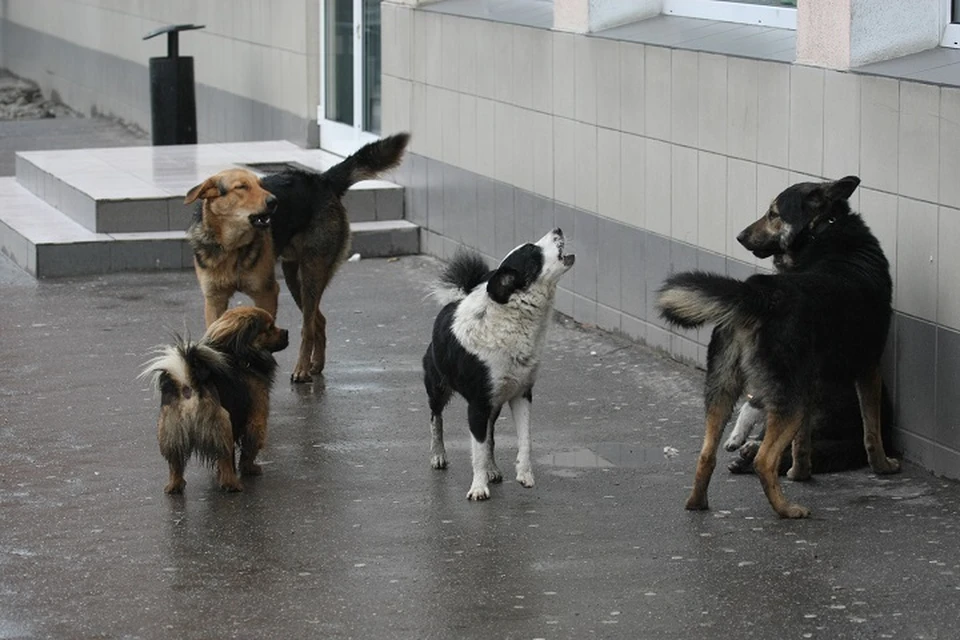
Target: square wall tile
[467, 133]
[564, 217]
[487, 71]
[742, 107]
[486, 216]
[742, 208]
[948, 288]
[633, 328]
[541, 80]
[433, 33]
[586, 169]
[684, 192]
[949, 146]
[450, 126]
[486, 149]
[586, 233]
[657, 268]
[879, 126]
[453, 210]
[418, 55]
[435, 196]
[841, 124]
[919, 145]
[631, 87]
[684, 97]
[522, 68]
[608, 318]
[773, 120]
[586, 79]
[916, 376]
[523, 153]
[543, 220]
[658, 190]
[584, 310]
[450, 51]
[503, 61]
[433, 133]
[608, 83]
[879, 211]
[806, 119]
[418, 118]
[541, 152]
[467, 56]
[415, 192]
[504, 220]
[564, 74]
[524, 217]
[633, 272]
[632, 176]
[947, 430]
[657, 80]
[564, 160]
[608, 262]
[505, 141]
[712, 201]
[713, 119]
[917, 258]
[608, 173]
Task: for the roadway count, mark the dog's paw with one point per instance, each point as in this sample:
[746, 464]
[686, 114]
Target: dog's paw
[890, 465]
[175, 487]
[799, 474]
[300, 374]
[735, 441]
[525, 478]
[248, 468]
[478, 493]
[697, 503]
[231, 486]
[794, 512]
[438, 462]
[494, 475]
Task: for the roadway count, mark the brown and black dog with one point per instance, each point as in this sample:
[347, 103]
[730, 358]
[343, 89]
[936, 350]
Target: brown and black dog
[245, 224]
[215, 393]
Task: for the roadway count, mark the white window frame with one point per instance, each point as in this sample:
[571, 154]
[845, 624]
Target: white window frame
[951, 32]
[724, 11]
[337, 137]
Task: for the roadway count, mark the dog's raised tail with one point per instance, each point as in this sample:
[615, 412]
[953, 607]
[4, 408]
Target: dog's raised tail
[183, 367]
[694, 298]
[368, 162]
[462, 274]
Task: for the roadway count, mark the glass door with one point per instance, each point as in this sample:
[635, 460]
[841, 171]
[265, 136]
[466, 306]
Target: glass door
[349, 113]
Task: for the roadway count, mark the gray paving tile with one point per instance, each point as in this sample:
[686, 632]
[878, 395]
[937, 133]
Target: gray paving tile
[361, 205]
[947, 430]
[145, 255]
[435, 196]
[608, 318]
[129, 216]
[657, 267]
[416, 190]
[584, 310]
[609, 244]
[633, 272]
[389, 204]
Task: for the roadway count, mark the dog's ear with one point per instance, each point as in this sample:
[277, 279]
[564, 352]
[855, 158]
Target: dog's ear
[209, 188]
[842, 189]
[502, 284]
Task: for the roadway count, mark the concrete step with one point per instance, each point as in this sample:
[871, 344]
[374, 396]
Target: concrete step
[47, 244]
[141, 189]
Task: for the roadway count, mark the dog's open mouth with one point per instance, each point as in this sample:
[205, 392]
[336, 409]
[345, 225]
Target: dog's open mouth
[260, 220]
[568, 260]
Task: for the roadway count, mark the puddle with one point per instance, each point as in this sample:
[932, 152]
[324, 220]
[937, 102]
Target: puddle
[607, 455]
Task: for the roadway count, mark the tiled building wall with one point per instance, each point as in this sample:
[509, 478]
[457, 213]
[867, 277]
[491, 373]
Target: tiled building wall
[653, 158]
[255, 63]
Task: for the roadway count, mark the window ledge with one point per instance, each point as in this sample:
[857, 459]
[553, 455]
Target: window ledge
[528, 13]
[934, 66]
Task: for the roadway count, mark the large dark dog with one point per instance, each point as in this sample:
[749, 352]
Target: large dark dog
[215, 393]
[820, 323]
[246, 223]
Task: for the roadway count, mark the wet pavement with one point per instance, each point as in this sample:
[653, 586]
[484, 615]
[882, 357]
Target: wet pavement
[350, 534]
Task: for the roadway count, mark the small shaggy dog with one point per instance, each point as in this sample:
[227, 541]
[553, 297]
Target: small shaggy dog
[215, 393]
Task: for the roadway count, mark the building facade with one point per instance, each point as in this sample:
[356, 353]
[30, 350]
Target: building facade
[651, 131]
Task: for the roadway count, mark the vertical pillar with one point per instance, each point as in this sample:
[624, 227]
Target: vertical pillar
[840, 34]
[587, 16]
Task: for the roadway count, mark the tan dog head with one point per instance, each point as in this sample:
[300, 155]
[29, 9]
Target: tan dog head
[245, 331]
[234, 204]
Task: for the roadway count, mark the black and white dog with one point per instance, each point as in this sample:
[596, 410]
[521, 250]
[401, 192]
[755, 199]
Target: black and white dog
[486, 346]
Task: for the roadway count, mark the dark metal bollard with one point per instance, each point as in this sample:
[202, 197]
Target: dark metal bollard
[173, 104]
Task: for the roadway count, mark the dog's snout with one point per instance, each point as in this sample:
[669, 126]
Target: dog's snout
[742, 237]
[558, 232]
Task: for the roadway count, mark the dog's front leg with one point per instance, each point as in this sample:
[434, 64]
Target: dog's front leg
[746, 420]
[214, 305]
[266, 298]
[869, 391]
[781, 429]
[520, 408]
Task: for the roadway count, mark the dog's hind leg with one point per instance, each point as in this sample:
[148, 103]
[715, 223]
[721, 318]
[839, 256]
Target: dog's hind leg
[438, 395]
[870, 392]
[481, 445]
[801, 468]
[520, 408]
[723, 387]
[176, 482]
[314, 277]
[781, 429]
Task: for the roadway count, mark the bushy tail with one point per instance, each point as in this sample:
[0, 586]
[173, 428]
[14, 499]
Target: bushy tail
[461, 276]
[368, 162]
[187, 364]
[694, 298]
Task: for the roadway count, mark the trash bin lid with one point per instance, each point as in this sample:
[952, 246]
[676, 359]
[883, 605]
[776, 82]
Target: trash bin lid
[171, 28]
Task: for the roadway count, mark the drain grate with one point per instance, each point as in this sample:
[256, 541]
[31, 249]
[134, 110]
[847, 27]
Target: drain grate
[264, 168]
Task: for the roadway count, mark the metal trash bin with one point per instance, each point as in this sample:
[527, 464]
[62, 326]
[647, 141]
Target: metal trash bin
[173, 103]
